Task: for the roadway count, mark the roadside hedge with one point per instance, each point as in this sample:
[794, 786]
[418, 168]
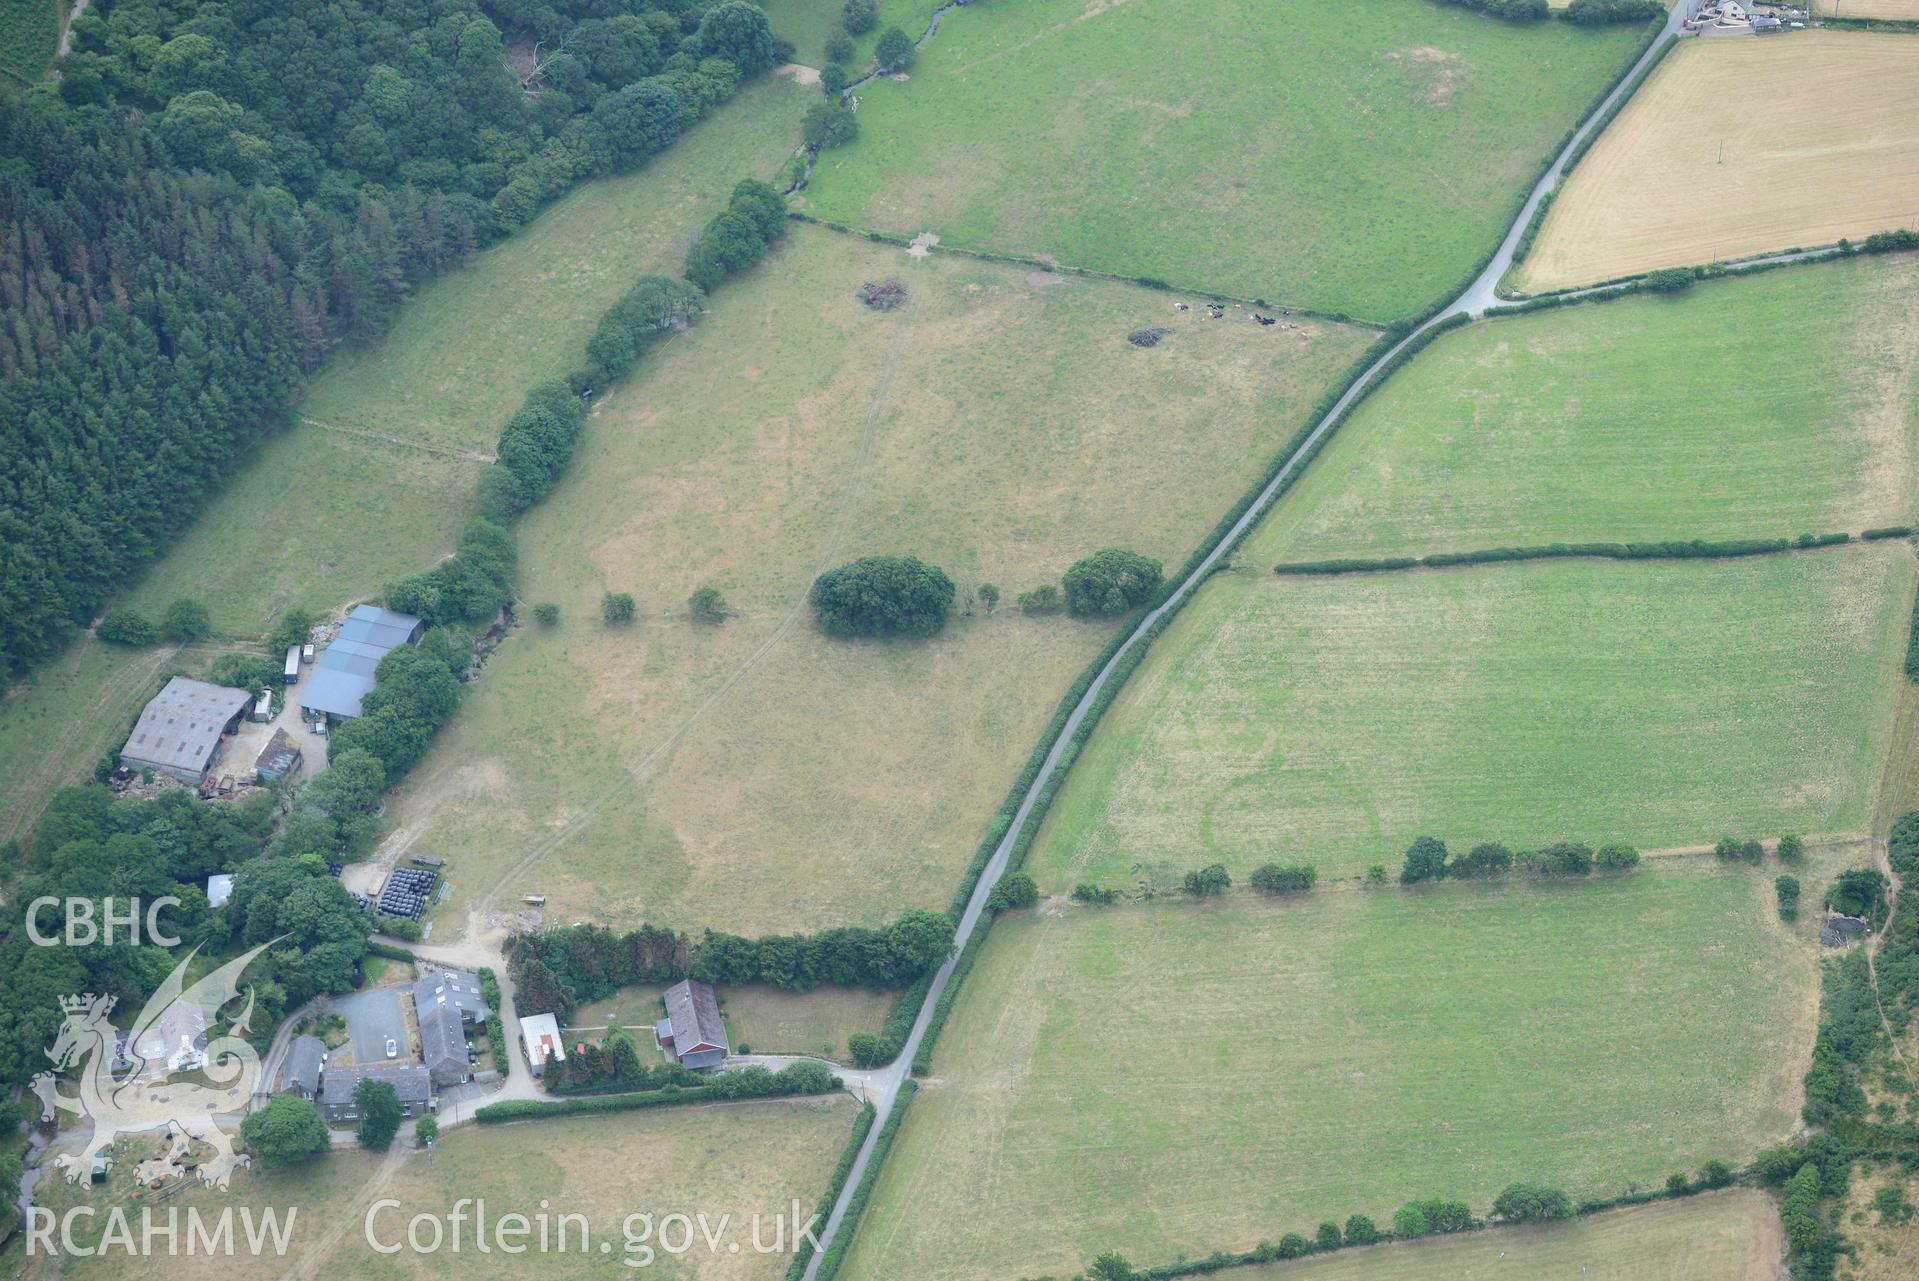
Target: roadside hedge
[1669, 549]
[391, 952]
[862, 1126]
[835, 1253]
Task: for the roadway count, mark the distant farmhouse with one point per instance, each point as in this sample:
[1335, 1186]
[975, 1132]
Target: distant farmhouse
[692, 1030]
[345, 672]
[410, 1083]
[181, 731]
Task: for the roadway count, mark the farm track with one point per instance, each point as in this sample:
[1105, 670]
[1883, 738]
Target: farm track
[1476, 300]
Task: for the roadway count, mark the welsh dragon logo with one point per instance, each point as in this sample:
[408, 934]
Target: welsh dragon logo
[165, 1073]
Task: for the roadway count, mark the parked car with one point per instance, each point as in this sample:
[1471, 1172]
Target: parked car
[392, 1048]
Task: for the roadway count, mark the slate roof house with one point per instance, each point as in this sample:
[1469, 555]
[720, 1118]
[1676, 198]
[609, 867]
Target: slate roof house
[458, 990]
[692, 1030]
[305, 1063]
[410, 1083]
[345, 673]
[443, 1046]
[540, 1038]
[180, 732]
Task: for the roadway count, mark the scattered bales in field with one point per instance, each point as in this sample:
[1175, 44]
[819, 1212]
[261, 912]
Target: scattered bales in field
[1148, 335]
[882, 296]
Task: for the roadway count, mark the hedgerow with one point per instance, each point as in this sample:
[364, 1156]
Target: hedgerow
[1668, 549]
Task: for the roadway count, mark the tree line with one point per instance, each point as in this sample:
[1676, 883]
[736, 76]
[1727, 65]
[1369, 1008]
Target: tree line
[1427, 859]
[1579, 12]
[562, 968]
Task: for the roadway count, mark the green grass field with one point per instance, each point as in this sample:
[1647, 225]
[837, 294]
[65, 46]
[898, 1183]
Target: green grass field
[734, 1160]
[29, 35]
[1651, 417]
[1719, 1236]
[1331, 721]
[786, 780]
[323, 518]
[1169, 1079]
[1358, 159]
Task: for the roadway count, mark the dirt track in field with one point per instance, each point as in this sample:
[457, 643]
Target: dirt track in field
[1740, 147]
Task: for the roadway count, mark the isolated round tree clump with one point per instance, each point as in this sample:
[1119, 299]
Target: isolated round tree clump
[1110, 582]
[882, 596]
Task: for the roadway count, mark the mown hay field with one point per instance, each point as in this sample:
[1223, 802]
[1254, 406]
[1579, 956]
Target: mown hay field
[1172, 1078]
[1737, 147]
[736, 1160]
[1333, 720]
[1357, 160]
[1718, 1236]
[1760, 407]
[759, 776]
[327, 513]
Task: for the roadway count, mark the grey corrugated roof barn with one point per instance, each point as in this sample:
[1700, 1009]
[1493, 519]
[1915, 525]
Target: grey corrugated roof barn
[179, 733]
[345, 673]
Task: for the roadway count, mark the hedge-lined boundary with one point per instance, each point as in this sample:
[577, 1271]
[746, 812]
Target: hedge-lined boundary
[1085, 273]
[862, 1125]
[1267, 1251]
[390, 951]
[1912, 645]
[1578, 153]
[1672, 549]
[723, 1091]
[1870, 24]
[1295, 453]
[835, 1253]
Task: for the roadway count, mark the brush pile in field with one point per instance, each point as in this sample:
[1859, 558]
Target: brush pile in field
[884, 296]
[1147, 337]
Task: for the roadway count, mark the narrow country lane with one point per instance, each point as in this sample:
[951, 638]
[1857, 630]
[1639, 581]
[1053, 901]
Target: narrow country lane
[1477, 299]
